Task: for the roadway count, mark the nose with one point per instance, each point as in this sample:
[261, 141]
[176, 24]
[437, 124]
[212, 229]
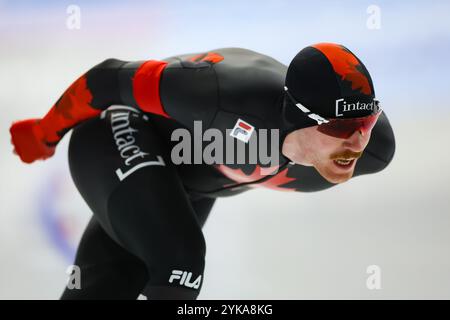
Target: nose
[357, 141]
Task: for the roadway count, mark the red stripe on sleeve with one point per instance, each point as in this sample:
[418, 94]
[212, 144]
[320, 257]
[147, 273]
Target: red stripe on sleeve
[146, 87]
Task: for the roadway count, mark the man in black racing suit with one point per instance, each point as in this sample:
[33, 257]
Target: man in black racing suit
[145, 235]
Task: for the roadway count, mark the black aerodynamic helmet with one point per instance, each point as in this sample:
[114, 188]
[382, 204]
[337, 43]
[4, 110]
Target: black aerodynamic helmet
[327, 81]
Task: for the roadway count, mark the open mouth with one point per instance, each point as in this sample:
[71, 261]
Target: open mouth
[344, 163]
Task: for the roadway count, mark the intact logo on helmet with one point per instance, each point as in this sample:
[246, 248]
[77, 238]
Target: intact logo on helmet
[343, 106]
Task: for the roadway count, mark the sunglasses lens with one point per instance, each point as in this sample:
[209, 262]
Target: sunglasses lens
[344, 128]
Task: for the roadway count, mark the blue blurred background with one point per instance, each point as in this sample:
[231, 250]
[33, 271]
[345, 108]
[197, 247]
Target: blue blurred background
[262, 244]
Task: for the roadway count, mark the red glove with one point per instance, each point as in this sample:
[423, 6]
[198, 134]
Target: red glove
[28, 140]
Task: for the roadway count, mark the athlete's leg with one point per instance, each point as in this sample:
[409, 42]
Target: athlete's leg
[202, 207]
[108, 271]
[123, 171]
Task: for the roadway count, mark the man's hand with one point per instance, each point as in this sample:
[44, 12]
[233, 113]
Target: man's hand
[28, 141]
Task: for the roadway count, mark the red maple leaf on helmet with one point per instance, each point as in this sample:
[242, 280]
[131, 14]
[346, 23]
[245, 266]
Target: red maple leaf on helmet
[345, 64]
[275, 182]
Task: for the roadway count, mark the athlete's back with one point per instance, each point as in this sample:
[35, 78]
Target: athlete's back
[222, 84]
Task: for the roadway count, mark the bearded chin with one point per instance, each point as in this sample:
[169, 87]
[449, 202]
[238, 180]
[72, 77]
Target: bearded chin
[332, 176]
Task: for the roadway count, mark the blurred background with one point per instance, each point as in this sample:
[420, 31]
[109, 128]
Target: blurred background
[262, 244]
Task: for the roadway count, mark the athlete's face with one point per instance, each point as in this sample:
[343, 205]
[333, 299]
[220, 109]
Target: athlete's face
[333, 158]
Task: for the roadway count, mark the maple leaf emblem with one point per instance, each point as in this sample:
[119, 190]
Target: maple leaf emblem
[346, 66]
[275, 182]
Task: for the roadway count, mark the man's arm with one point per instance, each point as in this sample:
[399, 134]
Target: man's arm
[110, 82]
